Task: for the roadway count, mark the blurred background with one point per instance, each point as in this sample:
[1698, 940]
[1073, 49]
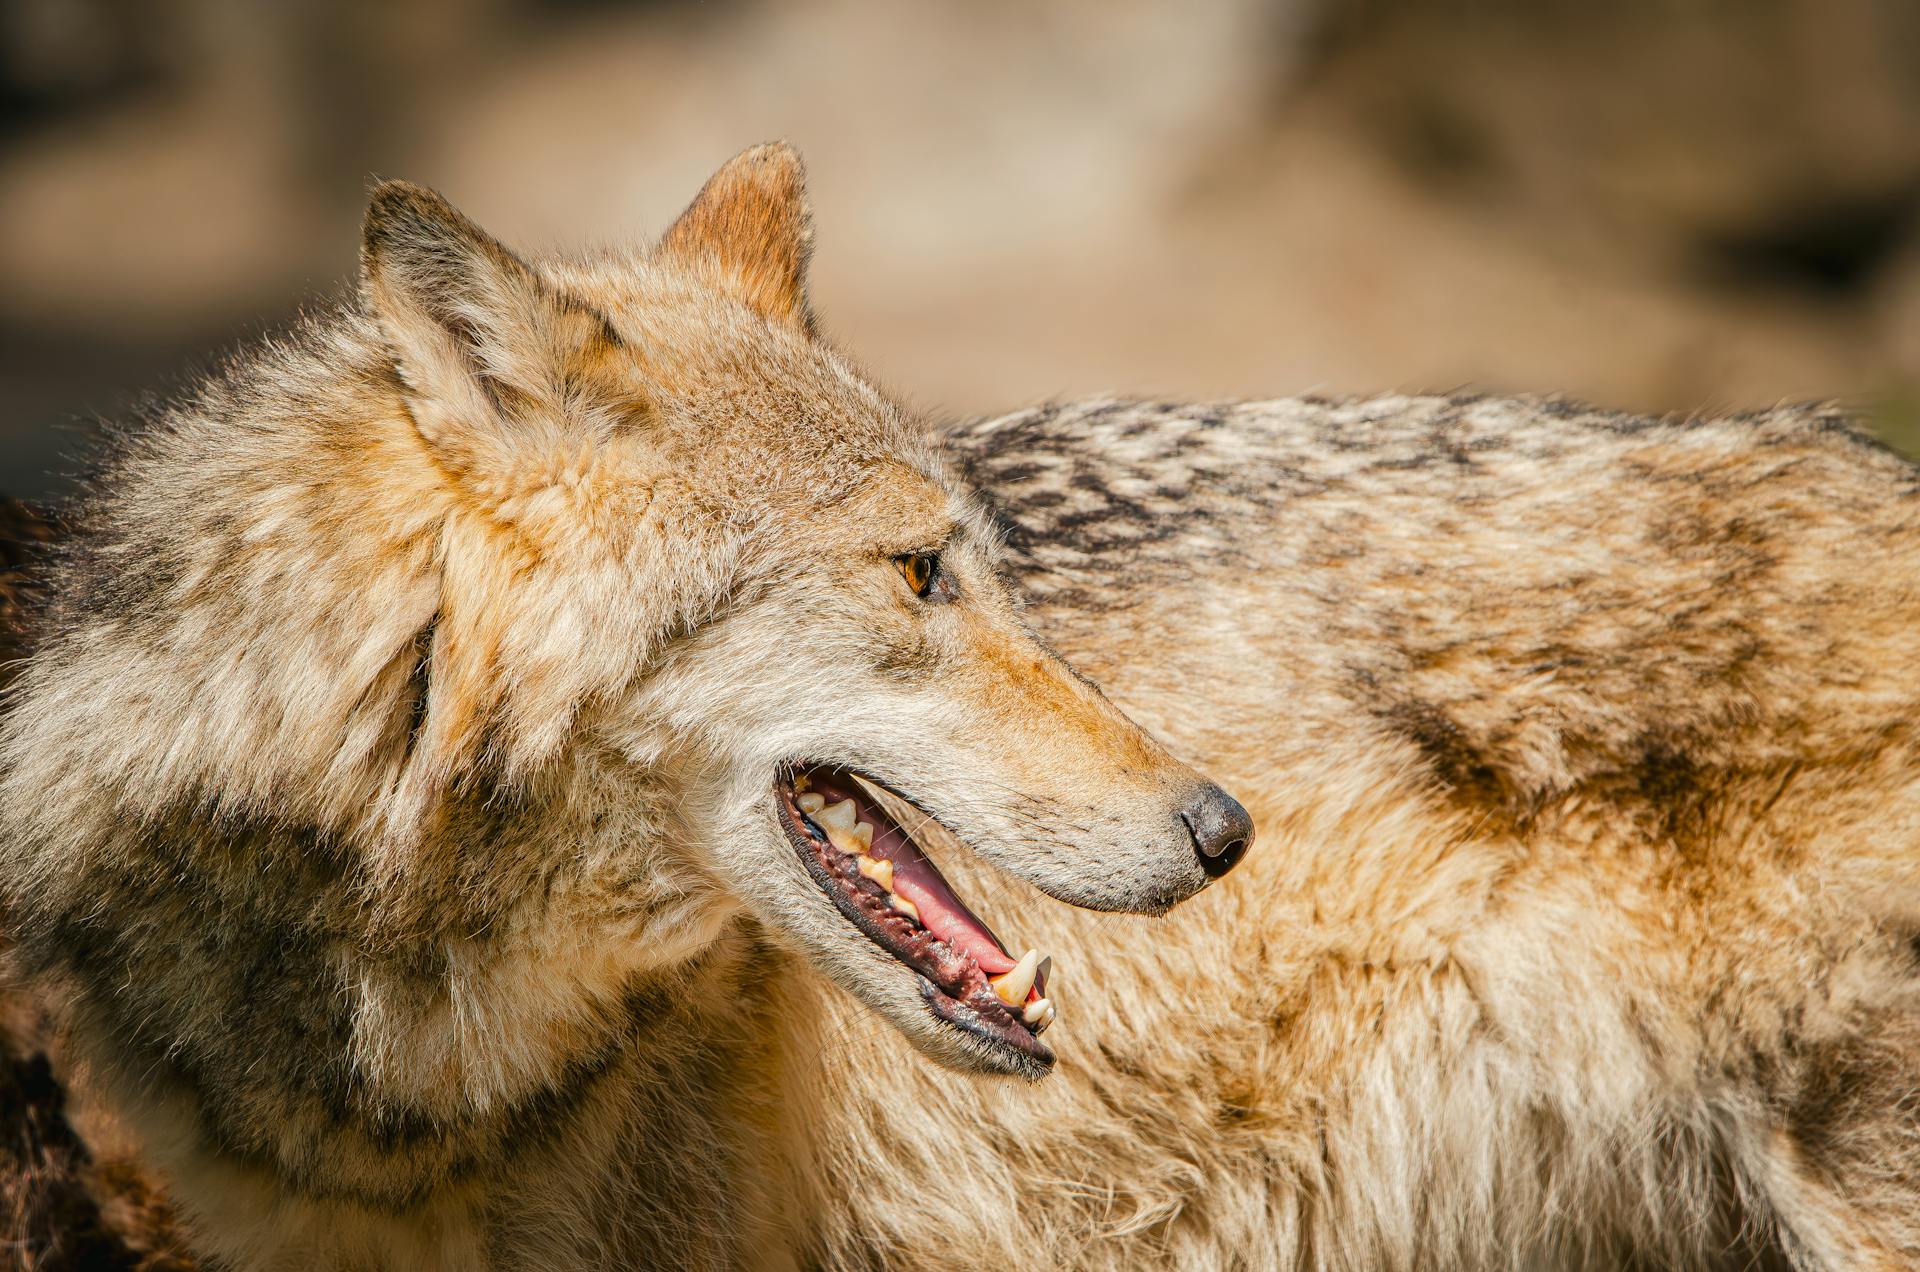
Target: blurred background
[1667, 205]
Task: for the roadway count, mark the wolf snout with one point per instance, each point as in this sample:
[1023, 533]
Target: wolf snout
[1220, 829]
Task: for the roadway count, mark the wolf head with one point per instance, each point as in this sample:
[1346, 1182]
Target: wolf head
[773, 593]
[624, 545]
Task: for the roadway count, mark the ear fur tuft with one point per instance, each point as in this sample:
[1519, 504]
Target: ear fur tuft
[479, 341]
[751, 225]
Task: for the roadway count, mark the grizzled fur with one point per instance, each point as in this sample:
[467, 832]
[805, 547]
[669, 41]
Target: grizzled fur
[23, 534]
[1583, 928]
[388, 801]
[421, 931]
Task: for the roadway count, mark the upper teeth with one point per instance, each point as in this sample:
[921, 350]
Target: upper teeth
[837, 816]
[811, 802]
[1011, 987]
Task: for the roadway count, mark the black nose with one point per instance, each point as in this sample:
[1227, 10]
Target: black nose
[1220, 828]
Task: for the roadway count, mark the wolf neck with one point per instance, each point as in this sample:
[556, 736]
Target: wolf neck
[466, 1019]
[380, 1059]
[213, 758]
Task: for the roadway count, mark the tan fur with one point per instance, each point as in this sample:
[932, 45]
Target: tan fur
[751, 234]
[387, 792]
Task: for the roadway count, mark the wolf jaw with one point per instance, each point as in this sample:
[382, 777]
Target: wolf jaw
[882, 880]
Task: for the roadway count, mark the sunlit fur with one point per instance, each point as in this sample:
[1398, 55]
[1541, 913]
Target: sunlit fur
[387, 798]
[1581, 931]
[391, 791]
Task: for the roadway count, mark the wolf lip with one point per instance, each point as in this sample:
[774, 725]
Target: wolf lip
[882, 881]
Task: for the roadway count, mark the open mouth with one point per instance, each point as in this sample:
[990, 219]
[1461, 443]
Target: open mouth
[869, 865]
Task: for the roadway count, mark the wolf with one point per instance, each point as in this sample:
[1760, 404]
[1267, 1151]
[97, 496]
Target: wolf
[511, 774]
[457, 717]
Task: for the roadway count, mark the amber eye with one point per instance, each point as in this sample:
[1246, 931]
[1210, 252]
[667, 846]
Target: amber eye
[917, 569]
[923, 574]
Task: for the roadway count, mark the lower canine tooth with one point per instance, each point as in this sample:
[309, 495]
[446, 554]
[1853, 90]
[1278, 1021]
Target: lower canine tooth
[907, 908]
[1036, 1009]
[811, 803]
[878, 869]
[1013, 986]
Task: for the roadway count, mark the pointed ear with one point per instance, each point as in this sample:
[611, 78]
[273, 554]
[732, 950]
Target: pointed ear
[478, 340]
[750, 225]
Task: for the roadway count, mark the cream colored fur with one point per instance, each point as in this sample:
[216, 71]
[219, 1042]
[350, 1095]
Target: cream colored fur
[386, 801]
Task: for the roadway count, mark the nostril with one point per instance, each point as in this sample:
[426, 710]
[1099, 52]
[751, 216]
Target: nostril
[1217, 863]
[1220, 828]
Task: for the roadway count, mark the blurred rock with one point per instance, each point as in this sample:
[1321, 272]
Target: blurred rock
[1657, 204]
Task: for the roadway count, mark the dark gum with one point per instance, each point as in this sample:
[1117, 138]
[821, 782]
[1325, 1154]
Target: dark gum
[989, 1016]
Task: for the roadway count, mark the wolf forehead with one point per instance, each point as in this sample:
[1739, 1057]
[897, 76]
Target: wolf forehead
[742, 400]
[714, 408]
[692, 366]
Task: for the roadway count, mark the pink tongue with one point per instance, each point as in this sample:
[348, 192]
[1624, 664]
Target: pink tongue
[918, 880]
[943, 914]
